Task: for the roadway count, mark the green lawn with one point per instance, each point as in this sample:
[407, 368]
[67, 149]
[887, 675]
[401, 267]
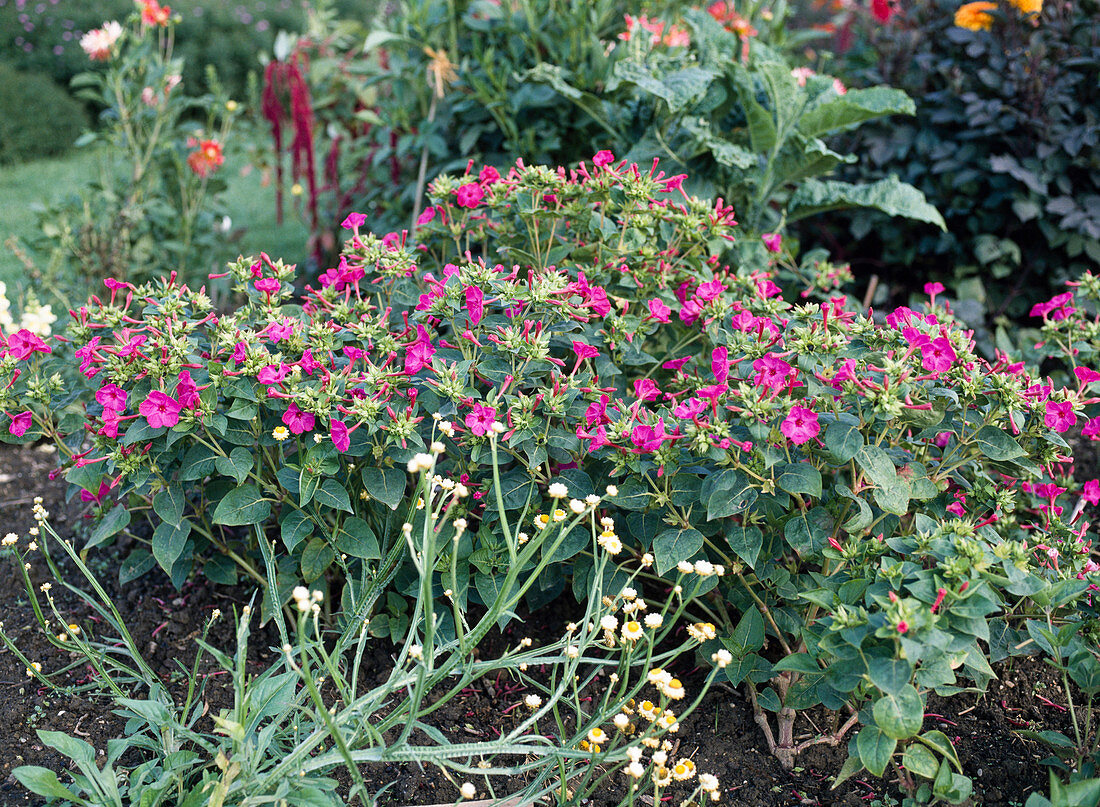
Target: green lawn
[23, 187]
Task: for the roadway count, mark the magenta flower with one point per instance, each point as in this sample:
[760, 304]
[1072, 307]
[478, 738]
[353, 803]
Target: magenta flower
[1091, 430]
[419, 353]
[659, 311]
[772, 241]
[23, 343]
[596, 413]
[720, 364]
[603, 157]
[111, 422]
[354, 221]
[690, 408]
[475, 303]
[272, 374]
[481, 419]
[268, 285]
[160, 410]
[598, 302]
[296, 420]
[772, 372]
[469, 195]
[937, 355]
[800, 425]
[240, 352]
[584, 351]
[20, 423]
[111, 396]
[710, 290]
[426, 216]
[1085, 375]
[1059, 416]
[932, 289]
[186, 391]
[278, 331]
[341, 437]
[649, 438]
[488, 175]
[646, 389]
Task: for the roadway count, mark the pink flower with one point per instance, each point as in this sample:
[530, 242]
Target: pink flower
[240, 352]
[470, 195]
[23, 343]
[932, 289]
[475, 303]
[584, 351]
[88, 496]
[481, 419]
[278, 331]
[111, 422]
[603, 157]
[1059, 416]
[20, 423]
[596, 413]
[937, 355]
[111, 396]
[646, 389]
[425, 217]
[488, 175]
[419, 354]
[1091, 430]
[690, 408]
[957, 509]
[271, 374]
[720, 364]
[268, 285]
[1085, 375]
[800, 425]
[97, 43]
[710, 290]
[1091, 491]
[341, 437]
[160, 410]
[649, 438]
[881, 10]
[296, 420]
[773, 241]
[186, 391]
[659, 311]
[772, 372]
[354, 221]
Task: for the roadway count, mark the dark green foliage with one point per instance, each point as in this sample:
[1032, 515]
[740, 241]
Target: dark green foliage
[1004, 143]
[37, 117]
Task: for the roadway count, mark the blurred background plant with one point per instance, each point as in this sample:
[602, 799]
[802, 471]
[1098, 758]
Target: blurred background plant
[1004, 143]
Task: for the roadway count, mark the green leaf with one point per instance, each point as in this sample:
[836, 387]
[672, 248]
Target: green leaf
[516, 489]
[168, 543]
[197, 463]
[237, 465]
[673, 546]
[633, 494]
[727, 493]
[221, 570]
[316, 558]
[900, 714]
[242, 505]
[889, 675]
[356, 538]
[919, 760]
[44, 782]
[849, 110]
[875, 749]
[799, 477]
[332, 494]
[387, 485]
[678, 89]
[844, 440]
[941, 743]
[80, 752]
[169, 503]
[746, 542]
[114, 522]
[762, 132]
[894, 498]
[878, 466]
[295, 527]
[890, 195]
[748, 636]
[997, 445]
[135, 565]
[808, 531]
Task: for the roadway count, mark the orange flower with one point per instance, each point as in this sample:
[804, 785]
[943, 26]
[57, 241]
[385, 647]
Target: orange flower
[153, 13]
[975, 16]
[1028, 6]
[206, 158]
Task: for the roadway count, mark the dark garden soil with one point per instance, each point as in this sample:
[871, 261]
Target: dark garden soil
[721, 735]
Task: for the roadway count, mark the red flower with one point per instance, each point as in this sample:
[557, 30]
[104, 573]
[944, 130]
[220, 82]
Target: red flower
[206, 157]
[153, 13]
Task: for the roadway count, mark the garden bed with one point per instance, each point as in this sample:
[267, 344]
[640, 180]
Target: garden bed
[720, 735]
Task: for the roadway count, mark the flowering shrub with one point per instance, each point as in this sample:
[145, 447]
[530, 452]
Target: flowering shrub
[697, 86]
[1002, 144]
[865, 506]
[155, 208]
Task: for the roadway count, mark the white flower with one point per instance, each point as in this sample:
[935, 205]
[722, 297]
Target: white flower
[721, 658]
[98, 43]
[416, 652]
[609, 622]
[685, 567]
[635, 770]
[577, 506]
[621, 721]
[612, 490]
[654, 621]
[557, 491]
[420, 462]
[467, 790]
[704, 568]
[533, 701]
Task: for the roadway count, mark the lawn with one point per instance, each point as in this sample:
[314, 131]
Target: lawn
[24, 189]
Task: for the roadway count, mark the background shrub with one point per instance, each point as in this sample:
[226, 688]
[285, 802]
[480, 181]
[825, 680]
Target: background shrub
[37, 117]
[1004, 143]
